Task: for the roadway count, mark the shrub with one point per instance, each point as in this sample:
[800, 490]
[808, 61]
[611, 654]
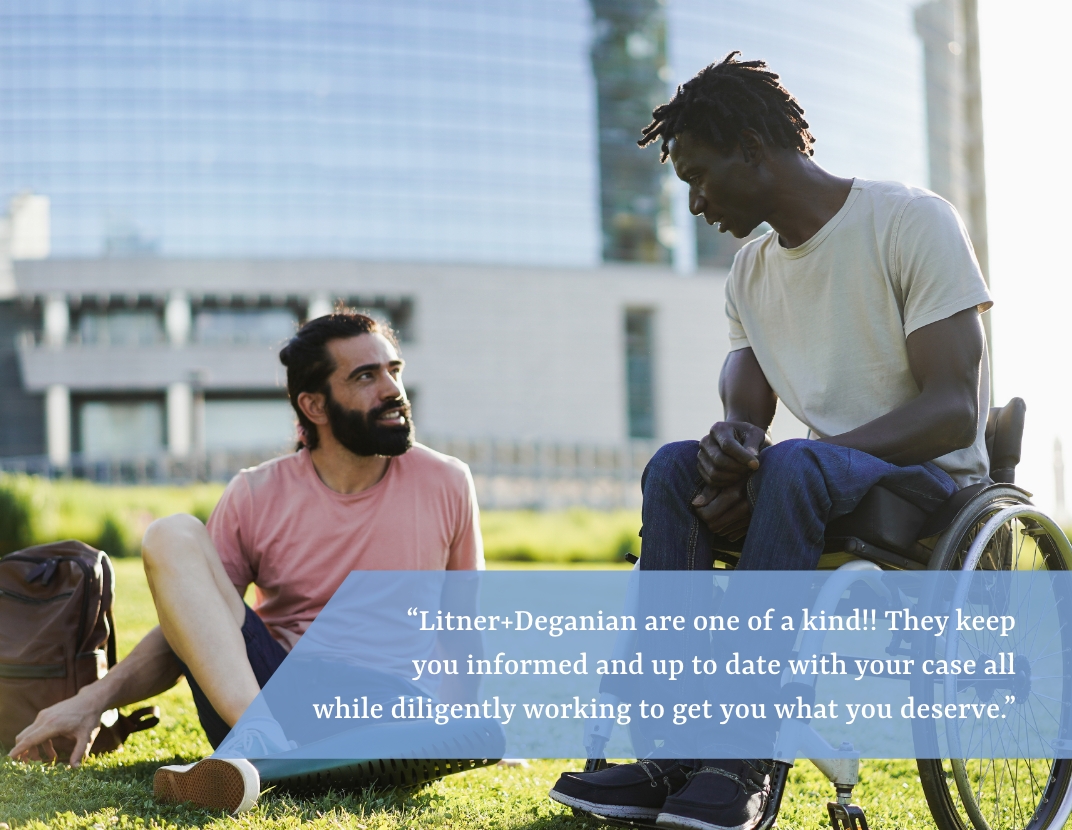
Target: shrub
[203, 509]
[112, 539]
[16, 527]
[576, 535]
[112, 518]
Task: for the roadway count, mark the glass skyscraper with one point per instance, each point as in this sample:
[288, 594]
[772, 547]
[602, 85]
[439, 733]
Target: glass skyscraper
[498, 131]
[379, 129]
[187, 180]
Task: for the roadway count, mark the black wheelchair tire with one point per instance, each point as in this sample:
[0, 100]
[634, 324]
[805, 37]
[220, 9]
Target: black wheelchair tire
[938, 777]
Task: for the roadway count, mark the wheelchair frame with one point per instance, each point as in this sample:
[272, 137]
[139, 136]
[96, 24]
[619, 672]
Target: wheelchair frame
[994, 507]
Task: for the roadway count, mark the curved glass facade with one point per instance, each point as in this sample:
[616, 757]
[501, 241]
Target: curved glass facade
[230, 149]
[475, 130]
[380, 129]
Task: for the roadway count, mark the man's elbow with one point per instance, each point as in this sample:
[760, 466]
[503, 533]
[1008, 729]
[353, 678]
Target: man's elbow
[962, 423]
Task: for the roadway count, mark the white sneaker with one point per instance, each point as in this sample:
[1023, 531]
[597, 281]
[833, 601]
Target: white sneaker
[231, 784]
[254, 738]
[227, 780]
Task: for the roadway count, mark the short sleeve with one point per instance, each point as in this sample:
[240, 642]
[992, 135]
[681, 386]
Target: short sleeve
[939, 275]
[738, 338]
[467, 545]
[228, 527]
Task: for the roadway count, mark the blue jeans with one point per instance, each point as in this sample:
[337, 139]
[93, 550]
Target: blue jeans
[799, 488]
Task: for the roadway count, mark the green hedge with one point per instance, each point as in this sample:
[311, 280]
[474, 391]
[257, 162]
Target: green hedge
[113, 518]
[16, 517]
[576, 535]
[35, 510]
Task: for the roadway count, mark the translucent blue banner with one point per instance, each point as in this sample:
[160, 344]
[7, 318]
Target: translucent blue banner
[566, 664]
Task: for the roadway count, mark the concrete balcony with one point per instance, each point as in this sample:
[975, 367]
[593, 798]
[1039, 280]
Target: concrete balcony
[104, 368]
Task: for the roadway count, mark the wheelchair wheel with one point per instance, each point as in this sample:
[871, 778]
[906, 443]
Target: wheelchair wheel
[1000, 530]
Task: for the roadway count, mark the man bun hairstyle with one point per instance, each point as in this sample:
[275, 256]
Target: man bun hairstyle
[726, 98]
[309, 364]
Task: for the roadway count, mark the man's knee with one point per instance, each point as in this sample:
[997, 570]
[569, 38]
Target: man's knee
[791, 456]
[169, 537]
[672, 462]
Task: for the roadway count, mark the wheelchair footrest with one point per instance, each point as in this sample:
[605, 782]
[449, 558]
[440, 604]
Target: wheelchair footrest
[846, 816]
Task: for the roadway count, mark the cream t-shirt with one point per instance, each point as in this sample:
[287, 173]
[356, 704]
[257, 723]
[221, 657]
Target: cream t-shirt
[828, 320]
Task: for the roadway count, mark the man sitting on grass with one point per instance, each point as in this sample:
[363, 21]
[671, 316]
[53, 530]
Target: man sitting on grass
[358, 494]
[859, 310]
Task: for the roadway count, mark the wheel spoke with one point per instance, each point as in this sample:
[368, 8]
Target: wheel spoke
[1010, 790]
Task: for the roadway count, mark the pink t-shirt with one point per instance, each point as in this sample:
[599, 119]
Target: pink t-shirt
[280, 527]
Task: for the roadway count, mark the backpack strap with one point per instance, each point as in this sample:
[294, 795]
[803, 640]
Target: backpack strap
[112, 657]
[145, 718]
[110, 738]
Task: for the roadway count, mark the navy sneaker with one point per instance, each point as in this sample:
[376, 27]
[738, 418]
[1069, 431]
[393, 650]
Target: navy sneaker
[629, 791]
[720, 795]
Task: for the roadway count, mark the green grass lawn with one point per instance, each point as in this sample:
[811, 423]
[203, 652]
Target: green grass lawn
[116, 790]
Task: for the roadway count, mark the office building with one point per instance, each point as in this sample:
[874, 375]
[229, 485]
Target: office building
[187, 182]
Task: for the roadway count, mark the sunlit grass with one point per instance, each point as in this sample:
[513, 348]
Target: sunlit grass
[115, 791]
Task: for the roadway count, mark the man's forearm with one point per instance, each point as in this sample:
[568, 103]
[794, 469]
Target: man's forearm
[149, 669]
[927, 427]
[746, 395]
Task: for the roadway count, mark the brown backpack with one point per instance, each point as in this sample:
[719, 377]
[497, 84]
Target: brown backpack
[56, 636]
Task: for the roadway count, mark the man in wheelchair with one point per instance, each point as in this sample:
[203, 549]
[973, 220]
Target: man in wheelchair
[859, 310]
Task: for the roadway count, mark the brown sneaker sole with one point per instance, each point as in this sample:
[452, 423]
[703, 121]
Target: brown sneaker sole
[212, 784]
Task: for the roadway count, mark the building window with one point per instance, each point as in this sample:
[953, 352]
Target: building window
[630, 69]
[136, 327]
[248, 425]
[121, 429]
[244, 325]
[639, 372]
[398, 313]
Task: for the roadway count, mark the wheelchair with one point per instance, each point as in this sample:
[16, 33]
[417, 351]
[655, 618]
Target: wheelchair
[983, 527]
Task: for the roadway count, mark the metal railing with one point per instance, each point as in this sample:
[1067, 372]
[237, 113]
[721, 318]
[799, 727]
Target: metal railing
[549, 475]
[158, 468]
[507, 474]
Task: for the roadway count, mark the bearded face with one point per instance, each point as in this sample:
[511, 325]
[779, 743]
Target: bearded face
[384, 430]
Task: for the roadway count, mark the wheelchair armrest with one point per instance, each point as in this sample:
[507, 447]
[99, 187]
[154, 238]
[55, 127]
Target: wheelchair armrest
[943, 517]
[1005, 428]
[883, 519]
[886, 521]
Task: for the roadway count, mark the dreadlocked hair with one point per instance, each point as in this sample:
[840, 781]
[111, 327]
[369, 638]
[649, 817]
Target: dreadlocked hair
[725, 98]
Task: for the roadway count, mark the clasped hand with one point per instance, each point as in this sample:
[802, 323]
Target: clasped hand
[728, 455]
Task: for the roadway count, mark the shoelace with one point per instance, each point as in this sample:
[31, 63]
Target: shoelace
[643, 764]
[750, 787]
